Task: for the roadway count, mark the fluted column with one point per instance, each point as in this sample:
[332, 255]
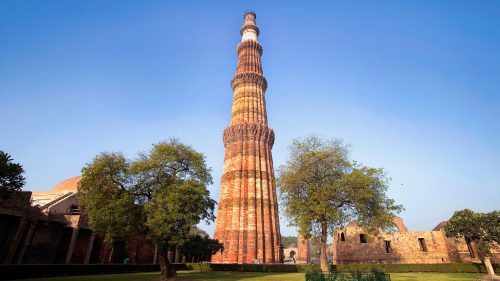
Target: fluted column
[247, 219]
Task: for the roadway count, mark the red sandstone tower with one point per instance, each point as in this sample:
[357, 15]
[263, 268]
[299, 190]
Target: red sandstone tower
[247, 218]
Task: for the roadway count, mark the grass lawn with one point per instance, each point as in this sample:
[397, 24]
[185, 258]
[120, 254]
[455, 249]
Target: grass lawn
[194, 275]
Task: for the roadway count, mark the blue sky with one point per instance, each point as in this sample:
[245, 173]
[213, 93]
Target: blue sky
[413, 86]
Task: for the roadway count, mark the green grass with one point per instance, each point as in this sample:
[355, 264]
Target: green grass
[143, 276]
[194, 275]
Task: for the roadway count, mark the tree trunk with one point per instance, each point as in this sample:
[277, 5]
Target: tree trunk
[111, 254]
[323, 262]
[167, 269]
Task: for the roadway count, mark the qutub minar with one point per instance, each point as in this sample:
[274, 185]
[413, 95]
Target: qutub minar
[247, 218]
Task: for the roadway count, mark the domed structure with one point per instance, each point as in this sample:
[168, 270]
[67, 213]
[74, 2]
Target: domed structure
[44, 197]
[69, 185]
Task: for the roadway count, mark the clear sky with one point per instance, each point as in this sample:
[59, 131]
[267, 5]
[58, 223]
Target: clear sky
[413, 86]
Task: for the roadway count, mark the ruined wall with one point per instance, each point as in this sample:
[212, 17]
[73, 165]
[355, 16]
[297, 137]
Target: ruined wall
[399, 247]
[303, 250]
[403, 246]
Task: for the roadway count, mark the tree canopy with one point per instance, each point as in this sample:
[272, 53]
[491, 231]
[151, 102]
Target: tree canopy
[110, 208]
[200, 248]
[321, 188]
[289, 241]
[480, 228]
[162, 192]
[11, 176]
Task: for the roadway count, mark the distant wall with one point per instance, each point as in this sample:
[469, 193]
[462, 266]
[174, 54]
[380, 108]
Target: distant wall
[403, 247]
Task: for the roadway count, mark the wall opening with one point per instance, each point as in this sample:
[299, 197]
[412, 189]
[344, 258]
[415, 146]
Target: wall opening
[421, 243]
[342, 236]
[74, 210]
[388, 246]
[362, 238]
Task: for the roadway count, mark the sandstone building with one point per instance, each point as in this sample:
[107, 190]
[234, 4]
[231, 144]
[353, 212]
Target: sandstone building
[247, 218]
[353, 245]
[48, 227]
[303, 250]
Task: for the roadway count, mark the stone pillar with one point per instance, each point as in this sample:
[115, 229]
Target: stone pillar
[176, 258]
[27, 243]
[489, 267]
[155, 255]
[90, 246]
[15, 241]
[71, 246]
[282, 253]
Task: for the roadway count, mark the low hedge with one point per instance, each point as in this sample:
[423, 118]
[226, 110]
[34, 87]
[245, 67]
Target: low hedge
[264, 267]
[388, 268]
[23, 271]
[400, 268]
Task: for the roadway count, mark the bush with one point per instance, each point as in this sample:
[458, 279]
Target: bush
[375, 275]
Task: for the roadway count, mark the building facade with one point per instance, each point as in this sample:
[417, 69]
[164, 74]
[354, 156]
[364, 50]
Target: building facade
[353, 244]
[247, 218]
[48, 227]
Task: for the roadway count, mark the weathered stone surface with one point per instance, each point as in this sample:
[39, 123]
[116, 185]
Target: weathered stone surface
[247, 218]
[303, 249]
[404, 247]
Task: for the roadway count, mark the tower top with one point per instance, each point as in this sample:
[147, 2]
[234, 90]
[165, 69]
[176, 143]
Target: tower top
[249, 30]
[249, 13]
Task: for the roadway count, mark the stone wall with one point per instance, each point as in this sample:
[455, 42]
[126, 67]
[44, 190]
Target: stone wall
[303, 249]
[352, 244]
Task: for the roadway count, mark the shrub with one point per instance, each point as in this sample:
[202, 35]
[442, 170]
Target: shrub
[375, 275]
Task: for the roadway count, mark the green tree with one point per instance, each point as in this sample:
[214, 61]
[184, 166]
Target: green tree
[11, 176]
[172, 179]
[200, 248]
[481, 228]
[166, 189]
[321, 188]
[104, 196]
[288, 241]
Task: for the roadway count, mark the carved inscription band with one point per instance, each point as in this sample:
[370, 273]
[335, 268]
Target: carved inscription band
[248, 131]
[249, 77]
[245, 174]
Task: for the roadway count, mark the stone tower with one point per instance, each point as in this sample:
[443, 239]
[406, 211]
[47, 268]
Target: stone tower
[247, 218]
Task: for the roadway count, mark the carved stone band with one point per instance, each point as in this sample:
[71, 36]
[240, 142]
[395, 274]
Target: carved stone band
[249, 77]
[249, 44]
[258, 175]
[252, 131]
